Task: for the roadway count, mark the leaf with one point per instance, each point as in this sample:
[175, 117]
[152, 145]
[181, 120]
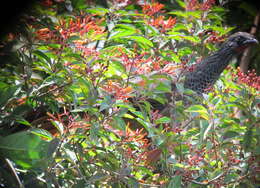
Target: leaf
[126, 27]
[106, 103]
[98, 11]
[186, 14]
[175, 182]
[122, 33]
[249, 8]
[248, 139]
[72, 38]
[181, 3]
[42, 133]
[163, 120]
[7, 92]
[192, 38]
[206, 130]
[42, 55]
[79, 4]
[59, 126]
[117, 66]
[199, 109]
[141, 40]
[23, 121]
[230, 134]
[119, 123]
[162, 87]
[231, 177]
[184, 51]
[132, 182]
[26, 149]
[97, 177]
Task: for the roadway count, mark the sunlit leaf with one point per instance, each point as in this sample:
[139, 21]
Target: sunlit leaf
[26, 149]
[175, 182]
[203, 112]
[141, 40]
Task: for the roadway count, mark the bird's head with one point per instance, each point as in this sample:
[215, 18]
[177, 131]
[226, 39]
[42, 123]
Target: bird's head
[240, 41]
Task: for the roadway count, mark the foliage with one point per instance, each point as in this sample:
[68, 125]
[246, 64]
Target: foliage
[76, 108]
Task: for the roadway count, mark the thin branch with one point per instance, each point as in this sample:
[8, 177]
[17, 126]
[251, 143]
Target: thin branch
[246, 55]
[12, 169]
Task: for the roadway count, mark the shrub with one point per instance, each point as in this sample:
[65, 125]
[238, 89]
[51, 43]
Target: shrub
[77, 104]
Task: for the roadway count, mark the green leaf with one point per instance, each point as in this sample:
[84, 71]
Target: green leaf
[23, 121]
[122, 33]
[97, 11]
[106, 103]
[184, 51]
[119, 123]
[117, 66]
[133, 183]
[163, 120]
[230, 134]
[163, 87]
[248, 139]
[249, 8]
[126, 27]
[205, 126]
[26, 149]
[175, 182]
[141, 40]
[42, 55]
[186, 14]
[199, 109]
[97, 177]
[7, 92]
[231, 177]
[58, 125]
[42, 133]
[79, 4]
[72, 38]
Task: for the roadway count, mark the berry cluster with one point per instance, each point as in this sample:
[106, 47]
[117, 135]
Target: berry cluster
[214, 37]
[251, 79]
[196, 5]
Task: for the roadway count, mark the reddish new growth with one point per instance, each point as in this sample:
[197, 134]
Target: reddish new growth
[121, 3]
[214, 37]
[77, 27]
[118, 92]
[81, 25]
[195, 5]
[250, 79]
[140, 64]
[130, 137]
[152, 9]
[47, 35]
[159, 22]
[47, 3]
[162, 24]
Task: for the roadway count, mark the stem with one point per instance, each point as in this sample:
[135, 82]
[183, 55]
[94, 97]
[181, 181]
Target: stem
[246, 55]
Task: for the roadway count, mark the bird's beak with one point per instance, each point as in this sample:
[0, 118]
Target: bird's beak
[251, 41]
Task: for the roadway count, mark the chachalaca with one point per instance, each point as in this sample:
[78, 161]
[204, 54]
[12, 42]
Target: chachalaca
[207, 72]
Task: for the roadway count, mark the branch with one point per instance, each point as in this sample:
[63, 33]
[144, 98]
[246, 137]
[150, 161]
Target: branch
[246, 55]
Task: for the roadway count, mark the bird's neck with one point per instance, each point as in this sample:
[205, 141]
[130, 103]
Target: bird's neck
[224, 55]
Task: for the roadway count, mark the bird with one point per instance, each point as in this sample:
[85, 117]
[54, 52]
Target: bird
[207, 72]
[204, 74]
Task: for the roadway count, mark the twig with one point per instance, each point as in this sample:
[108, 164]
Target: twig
[246, 55]
[12, 169]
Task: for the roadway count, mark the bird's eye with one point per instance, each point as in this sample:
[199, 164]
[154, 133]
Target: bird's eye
[240, 40]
